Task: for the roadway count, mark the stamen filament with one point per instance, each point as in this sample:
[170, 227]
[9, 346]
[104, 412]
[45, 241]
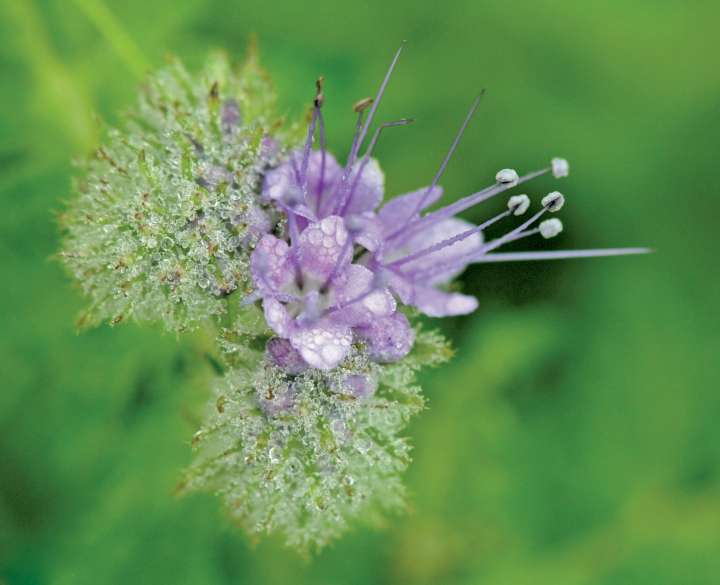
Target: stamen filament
[361, 297]
[511, 235]
[480, 252]
[306, 150]
[346, 171]
[361, 129]
[375, 104]
[347, 200]
[449, 241]
[323, 157]
[560, 254]
[450, 152]
[452, 209]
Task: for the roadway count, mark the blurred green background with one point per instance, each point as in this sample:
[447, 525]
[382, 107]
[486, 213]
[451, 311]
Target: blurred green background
[574, 439]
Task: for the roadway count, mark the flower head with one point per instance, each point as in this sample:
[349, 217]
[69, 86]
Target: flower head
[336, 213]
[203, 209]
[314, 296]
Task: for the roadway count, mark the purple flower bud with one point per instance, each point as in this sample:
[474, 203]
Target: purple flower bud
[230, 116]
[257, 223]
[389, 338]
[277, 400]
[356, 385]
[282, 354]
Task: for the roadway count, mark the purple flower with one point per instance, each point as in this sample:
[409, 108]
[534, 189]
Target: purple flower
[281, 353]
[358, 386]
[313, 296]
[321, 302]
[278, 400]
[389, 339]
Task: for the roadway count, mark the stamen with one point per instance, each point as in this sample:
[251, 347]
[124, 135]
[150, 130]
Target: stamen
[519, 204]
[375, 104]
[293, 227]
[346, 201]
[421, 223]
[560, 168]
[559, 254]
[522, 235]
[356, 134]
[516, 233]
[550, 228]
[302, 179]
[361, 129]
[319, 97]
[450, 241]
[361, 297]
[553, 201]
[362, 105]
[456, 141]
[319, 101]
[485, 248]
[507, 177]
[359, 108]
[317, 104]
[323, 157]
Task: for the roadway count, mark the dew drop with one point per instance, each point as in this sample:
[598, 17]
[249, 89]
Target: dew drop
[274, 455]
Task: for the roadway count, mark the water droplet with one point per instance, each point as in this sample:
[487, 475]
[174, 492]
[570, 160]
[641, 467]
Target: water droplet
[363, 445]
[274, 455]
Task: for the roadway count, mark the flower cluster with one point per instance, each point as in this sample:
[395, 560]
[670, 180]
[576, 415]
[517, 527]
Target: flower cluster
[167, 211]
[202, 209]
[335, 276]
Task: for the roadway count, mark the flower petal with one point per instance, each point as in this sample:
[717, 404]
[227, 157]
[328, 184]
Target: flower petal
[439, 263]
[437, 303]
[277, 317]
[355, 305]
[360, 386]
[323, 346]
[367, 191]
[281, 185]
[270, 265]
[324, 248]
[322, 181]
[366, 230]
[281, 353]
[400, 210]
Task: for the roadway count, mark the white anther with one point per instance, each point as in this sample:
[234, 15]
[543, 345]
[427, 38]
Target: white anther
[550, 228]
[518, 204]
[553, 201]
[507, 177]
[560, 168]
